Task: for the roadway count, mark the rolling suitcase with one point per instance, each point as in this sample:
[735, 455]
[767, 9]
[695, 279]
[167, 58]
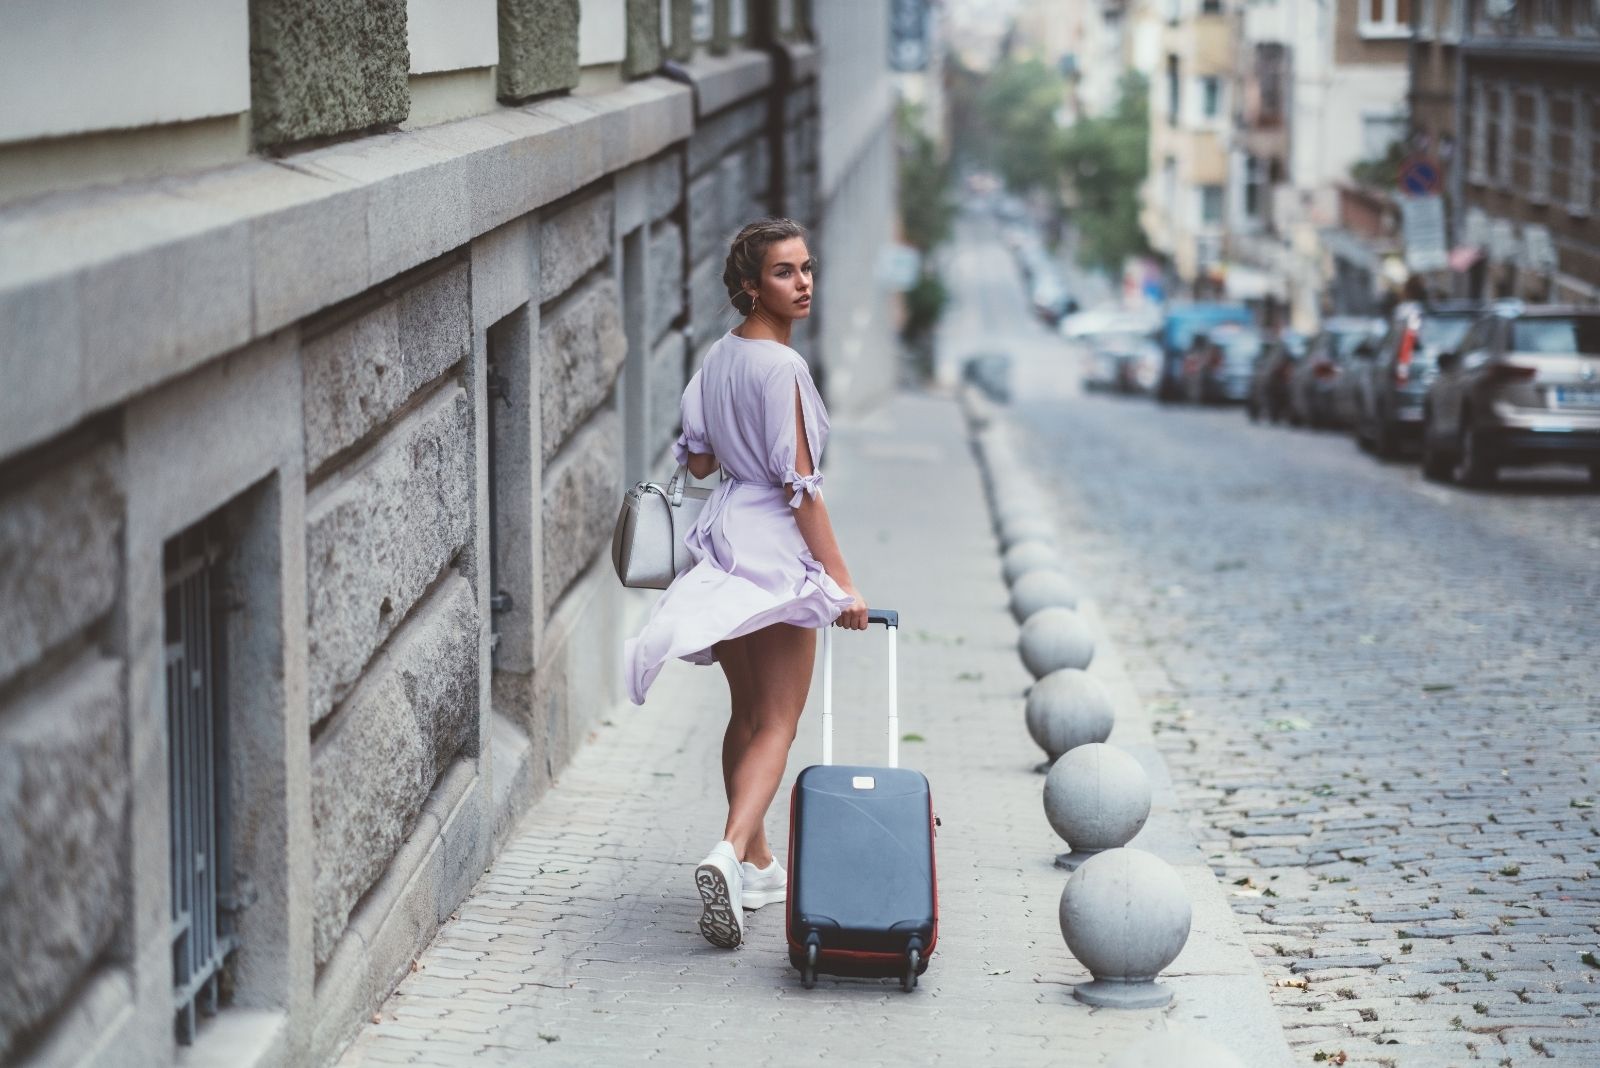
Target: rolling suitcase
[863, 897]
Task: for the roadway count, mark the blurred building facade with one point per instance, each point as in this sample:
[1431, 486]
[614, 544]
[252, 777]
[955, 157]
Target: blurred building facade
[1260, 112]
[324, 388]
[1524, 80]
[1184, 204]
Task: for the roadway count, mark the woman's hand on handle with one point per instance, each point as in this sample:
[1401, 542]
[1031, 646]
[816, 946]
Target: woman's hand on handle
[854, 617]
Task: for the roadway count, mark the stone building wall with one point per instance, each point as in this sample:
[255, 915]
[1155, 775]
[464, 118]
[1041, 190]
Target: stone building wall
[403, 376]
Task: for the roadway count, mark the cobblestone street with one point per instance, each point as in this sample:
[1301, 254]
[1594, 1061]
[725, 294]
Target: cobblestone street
[1378, 698]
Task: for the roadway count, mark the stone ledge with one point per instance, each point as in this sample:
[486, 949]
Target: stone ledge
[797, 62]
[199, 266]
[720, 81]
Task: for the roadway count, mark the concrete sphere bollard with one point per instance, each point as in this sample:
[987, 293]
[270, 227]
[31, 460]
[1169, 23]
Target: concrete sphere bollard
[1125, 916]
[1182, 1047]
[1028, 556]
[1066, 709]
[1013, 509]
[1041, 588]
[1027, 528]
[1054, 638]
[1097, 797]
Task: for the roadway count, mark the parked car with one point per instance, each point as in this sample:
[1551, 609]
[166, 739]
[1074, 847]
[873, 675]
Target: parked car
[1314, 380]
[1218, 367]
[1269, 378]
[1126, 362]
[1176, 337]
[1522, 387]
[1386, 382]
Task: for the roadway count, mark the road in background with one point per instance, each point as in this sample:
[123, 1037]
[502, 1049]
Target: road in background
[1379, 696]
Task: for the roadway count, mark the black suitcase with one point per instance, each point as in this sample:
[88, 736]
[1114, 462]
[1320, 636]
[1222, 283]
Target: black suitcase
[863, 896]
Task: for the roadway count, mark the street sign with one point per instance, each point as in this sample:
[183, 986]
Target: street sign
[1422, 226]
[1419, 177]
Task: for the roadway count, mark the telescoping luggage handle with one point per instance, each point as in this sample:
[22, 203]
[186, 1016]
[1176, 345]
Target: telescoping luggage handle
[891, 621]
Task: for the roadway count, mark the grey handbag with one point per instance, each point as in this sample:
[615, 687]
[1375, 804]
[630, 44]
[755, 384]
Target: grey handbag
[647, 543]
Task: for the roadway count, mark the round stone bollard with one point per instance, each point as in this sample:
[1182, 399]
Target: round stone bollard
[1176, 1047]
[1041, 588]
[1015, 509]
[1066, 709]
[1028, 556]
[1096, 797]
[1125, 916]
[1027, 528]
[1054, 638]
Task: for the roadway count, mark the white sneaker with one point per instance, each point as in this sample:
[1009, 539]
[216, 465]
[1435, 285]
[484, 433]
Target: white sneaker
[720, 883]
[763, 886]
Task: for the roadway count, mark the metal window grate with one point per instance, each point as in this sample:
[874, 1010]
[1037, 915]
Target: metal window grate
[197, 748]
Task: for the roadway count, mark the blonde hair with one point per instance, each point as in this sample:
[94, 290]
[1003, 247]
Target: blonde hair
[749, 251]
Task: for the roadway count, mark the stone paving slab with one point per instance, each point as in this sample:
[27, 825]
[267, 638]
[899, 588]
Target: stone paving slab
[579, 944]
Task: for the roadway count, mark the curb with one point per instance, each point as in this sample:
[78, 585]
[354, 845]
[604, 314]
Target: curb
[1220, 990]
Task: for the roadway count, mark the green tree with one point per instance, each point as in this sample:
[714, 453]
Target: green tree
[926, 211]
[1105, 160]
[1018, 106]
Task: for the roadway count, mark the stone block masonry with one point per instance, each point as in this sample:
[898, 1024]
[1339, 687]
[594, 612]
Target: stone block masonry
[365, 369]
[375, 765]
[579, 502]
[299, 347]
[59, 559]
[406, 508]
[63, 796]
[538, 47]
[323, 67]
[581, 346]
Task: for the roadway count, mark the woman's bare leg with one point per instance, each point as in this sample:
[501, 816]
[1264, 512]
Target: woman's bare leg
[780, 659]
[735, 661]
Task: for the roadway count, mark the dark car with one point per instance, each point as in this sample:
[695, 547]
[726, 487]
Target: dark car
[1522, 387]
[1269, 380]
[1388, 380]
[1218, 366]
[1176, 337]
[1313, 381]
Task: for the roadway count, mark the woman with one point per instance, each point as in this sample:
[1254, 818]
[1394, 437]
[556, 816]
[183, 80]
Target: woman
[768, 571]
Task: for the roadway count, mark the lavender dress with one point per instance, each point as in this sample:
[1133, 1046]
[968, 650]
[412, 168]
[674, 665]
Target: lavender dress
[752, 567]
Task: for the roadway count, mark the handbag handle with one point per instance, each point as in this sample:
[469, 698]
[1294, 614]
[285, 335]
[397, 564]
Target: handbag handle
[676, 485]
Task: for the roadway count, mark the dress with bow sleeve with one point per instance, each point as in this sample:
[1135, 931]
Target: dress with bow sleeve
[751, 567]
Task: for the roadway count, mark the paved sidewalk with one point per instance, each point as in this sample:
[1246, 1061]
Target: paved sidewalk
[579, 946]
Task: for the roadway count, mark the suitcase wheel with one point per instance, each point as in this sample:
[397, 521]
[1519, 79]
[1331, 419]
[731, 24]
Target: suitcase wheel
[908, 981]
[808, 970]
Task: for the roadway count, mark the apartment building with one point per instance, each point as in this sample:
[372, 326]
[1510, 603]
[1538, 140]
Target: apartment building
[1527, 134]
[332, 332]
[1184, 203]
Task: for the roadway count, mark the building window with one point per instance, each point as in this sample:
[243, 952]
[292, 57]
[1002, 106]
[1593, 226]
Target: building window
[1586, 17]
[1211, 7]
[1500, 169]
[1428, 20]
[197, 773]
[1211, 96]
[1546, 16]
[1254, 186]
[1560, 145]
[1478, 135]
[1385, 18]
[1211, 204]
[1174, 91]
[1585, 153]
[1539, 189]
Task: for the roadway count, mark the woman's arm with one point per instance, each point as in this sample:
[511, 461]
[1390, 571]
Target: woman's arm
[702, 464]
[817, 529]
